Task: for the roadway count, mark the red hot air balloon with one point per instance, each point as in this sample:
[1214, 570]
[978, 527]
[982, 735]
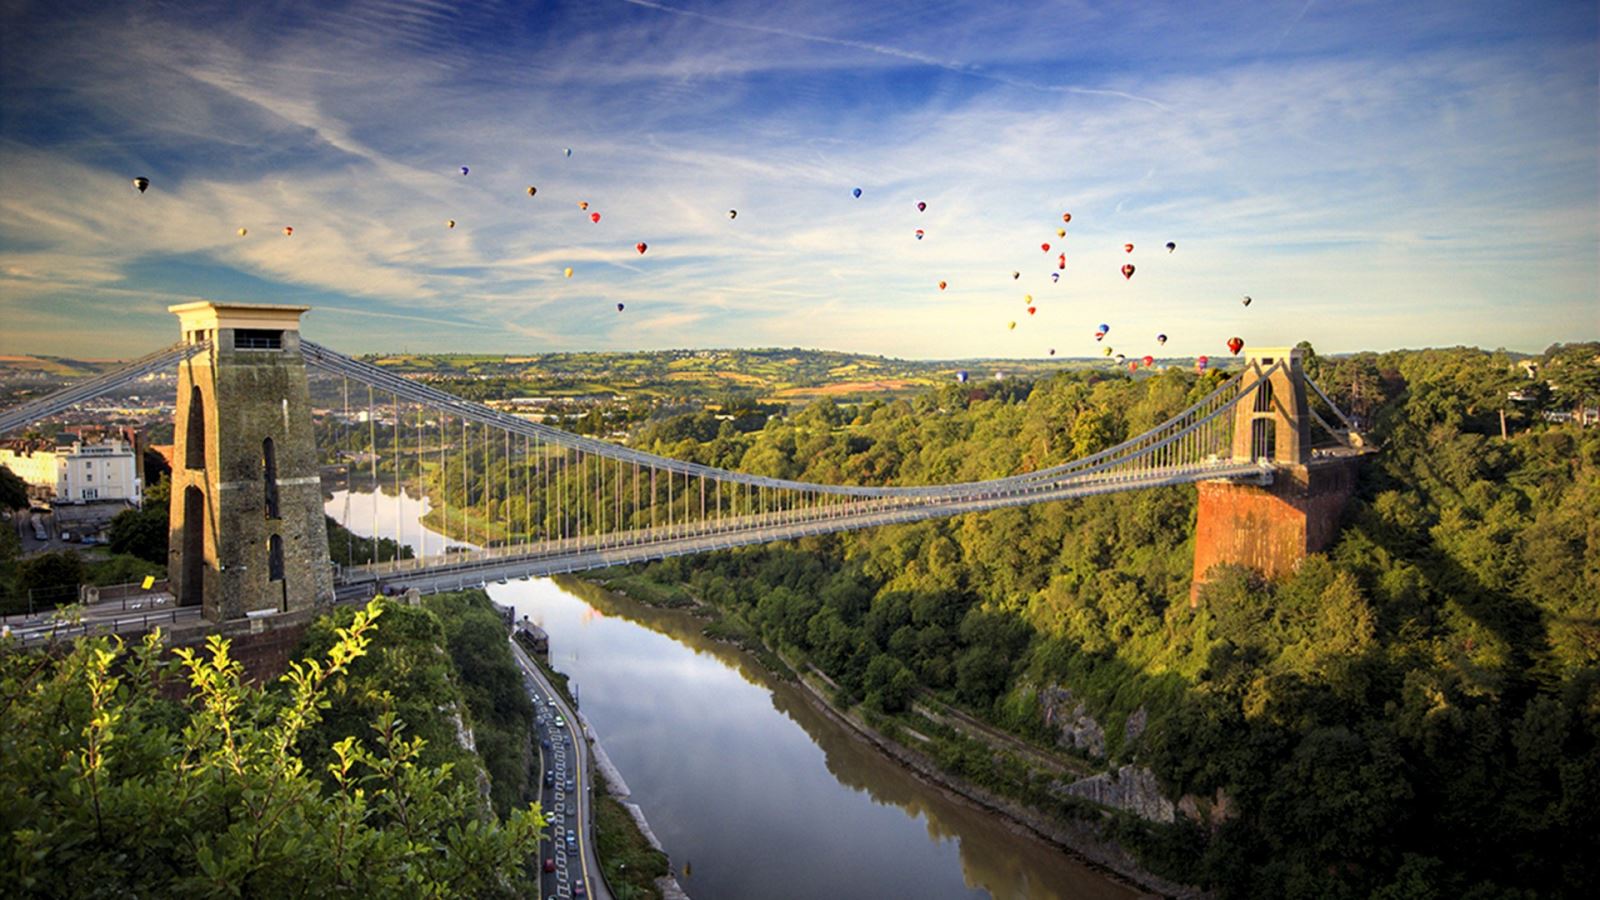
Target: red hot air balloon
[1235, 344]
[595, 218]
[941, 285]
[1045, 247]
[919, 234]
[1066, 217]
[1127, 271]
[1127, 248]
[641, 247]
[1133, 367]
[1032, 310]
[1200, 363]
[288, 230]
[1061, 261]
[1149, 361]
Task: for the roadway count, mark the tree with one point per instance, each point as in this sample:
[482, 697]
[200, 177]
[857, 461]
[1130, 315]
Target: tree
[49, 579]
[13, 490]
[143, 532]
[109, 789]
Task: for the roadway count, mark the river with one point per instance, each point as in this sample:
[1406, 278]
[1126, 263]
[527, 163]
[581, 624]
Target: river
[752, 791]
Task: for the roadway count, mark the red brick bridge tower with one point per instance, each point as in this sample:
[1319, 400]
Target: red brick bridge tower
[1271, 527]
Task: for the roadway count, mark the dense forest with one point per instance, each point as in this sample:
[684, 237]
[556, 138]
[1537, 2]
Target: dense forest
[1414, 713]
[392, 760]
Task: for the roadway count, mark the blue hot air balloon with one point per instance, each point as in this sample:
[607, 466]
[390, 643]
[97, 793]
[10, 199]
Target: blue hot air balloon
[464, 170]
[856, 192]
[961, 376]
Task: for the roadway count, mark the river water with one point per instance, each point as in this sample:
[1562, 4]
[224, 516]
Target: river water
[752, 791]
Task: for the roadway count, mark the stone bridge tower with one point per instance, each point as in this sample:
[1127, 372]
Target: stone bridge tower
[1271, 528]
[247, 532]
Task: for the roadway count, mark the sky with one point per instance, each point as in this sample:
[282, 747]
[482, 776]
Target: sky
[1373, 175]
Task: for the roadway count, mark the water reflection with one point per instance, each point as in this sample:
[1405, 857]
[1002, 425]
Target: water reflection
[367, 512]
[725, 761]
[741, 777]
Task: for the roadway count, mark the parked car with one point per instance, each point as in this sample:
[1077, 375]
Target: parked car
[549, 865]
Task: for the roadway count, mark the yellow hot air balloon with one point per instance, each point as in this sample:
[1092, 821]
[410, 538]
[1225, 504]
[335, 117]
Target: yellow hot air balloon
[567, 272]
[449, 223]
[1061, 232]
[243, 232]
[1011, 326]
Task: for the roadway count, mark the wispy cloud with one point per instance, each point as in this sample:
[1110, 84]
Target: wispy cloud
[1351, 176]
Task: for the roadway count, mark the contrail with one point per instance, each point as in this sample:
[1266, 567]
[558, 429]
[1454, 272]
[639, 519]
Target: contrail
[896, 52]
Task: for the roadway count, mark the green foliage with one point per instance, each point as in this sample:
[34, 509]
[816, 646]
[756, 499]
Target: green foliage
[46, 580]
[13, 490]
[348, 549]
[109, 789]
[143, 532]
[1422, 702]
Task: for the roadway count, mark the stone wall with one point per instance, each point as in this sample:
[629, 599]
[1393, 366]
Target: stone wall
[1272, 528]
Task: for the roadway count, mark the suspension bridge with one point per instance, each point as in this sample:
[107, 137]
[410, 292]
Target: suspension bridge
[248, 484]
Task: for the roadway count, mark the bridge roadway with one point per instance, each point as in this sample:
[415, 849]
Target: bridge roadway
[457, 571]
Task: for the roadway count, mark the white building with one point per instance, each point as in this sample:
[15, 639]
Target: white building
[80, 473]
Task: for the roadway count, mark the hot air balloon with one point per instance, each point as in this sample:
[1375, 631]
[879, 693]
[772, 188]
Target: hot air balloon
[594, 217]
[1161, 339]
[449, 223]
[1108, 351]
[1055, 276]
[1011, 325]
[856, 193]
[921, 207]
[532, 190]
[1052, 351]
[1201, 362]
[140, 183]
[1061, 232]
[583, 204]
[569, 151]
[1245, 301]
[1015, 275]
[1235, 344]
[288, 230]
[1104, 328]
[1149, 361]
[619, 307]
[1127, 248]
[1127, 270]
[1121, 359]
[243, 232]
[1065, 218]
[1045, 247]
[733, 214]
[961, 376]
[567, 271]
[1027, 298]
[1032, 310]
[1171, 246]
[941, 285]
[1133, 367]
[1061, 261]
[641, 247]
[919, 234]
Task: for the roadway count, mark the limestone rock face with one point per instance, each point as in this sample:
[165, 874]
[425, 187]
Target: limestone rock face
[1131, 788]
[1070, 717]
[1134, 729]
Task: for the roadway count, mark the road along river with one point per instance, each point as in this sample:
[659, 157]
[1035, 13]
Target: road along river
[752, 791]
